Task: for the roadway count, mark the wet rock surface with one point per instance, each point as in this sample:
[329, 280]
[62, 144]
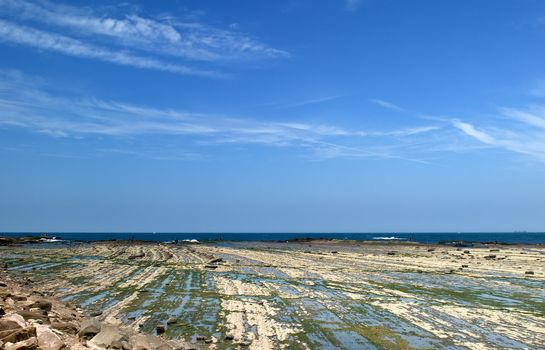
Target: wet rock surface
[251, 295]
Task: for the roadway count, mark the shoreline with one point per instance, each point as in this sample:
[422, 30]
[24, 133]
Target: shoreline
[59, 240]
[300, 295]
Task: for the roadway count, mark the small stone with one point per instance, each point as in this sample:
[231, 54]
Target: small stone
[125, 345]
[391, 253]
[208, 341]
[467, 252]
[465, 266]
[210, 266]
[172, 320]
[116, 344]
[160, 329]
[334, 252]
[529, 273]
[200, 337]
[34, 315]
[229, 337]
[65, 327]
[41, 304]
[214, 261]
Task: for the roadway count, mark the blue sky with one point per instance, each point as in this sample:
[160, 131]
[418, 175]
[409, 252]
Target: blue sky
[288, 115]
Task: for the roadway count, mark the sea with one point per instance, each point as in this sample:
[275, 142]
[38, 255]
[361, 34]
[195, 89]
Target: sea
[422, 237]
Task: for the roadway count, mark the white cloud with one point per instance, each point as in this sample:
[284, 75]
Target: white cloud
[31, 106]
[17, 34]
[534, 117]
[167, 36]
[309, 101]
[525, 136]
[470, 130]
[388, 105]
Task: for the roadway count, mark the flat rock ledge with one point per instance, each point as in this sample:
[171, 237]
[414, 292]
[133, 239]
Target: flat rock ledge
[29, 320]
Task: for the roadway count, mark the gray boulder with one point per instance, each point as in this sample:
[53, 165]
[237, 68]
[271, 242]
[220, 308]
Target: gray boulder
[108, 336]
[89, 328]
[47, 340]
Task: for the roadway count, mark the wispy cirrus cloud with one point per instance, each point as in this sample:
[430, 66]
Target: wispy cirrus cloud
[31, 106]
[14, 33]
[127, 38]
[387, 105]
[521, 131]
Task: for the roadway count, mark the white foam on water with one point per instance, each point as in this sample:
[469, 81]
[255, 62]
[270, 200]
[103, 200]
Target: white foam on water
[392, 238]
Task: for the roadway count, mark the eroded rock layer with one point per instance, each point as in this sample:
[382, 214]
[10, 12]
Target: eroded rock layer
[305, 295]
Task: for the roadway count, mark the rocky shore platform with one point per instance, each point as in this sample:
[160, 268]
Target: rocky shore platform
[306, 294]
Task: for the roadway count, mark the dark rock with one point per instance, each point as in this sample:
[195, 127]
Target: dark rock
[3, 284]
[334, 252]
[465, 265]
[14, 336]
[33, 315]
[172, 320]
[65, 327]
[214, 261]
[95, 313]
[391, 253]
[229, 337]
[29, 344]
[41, 304]
[490, 257]
[160, 329]
[467, 252]
[529, 273]
[210, 266]
[2, 312]
[137, 256]
[200, 337]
